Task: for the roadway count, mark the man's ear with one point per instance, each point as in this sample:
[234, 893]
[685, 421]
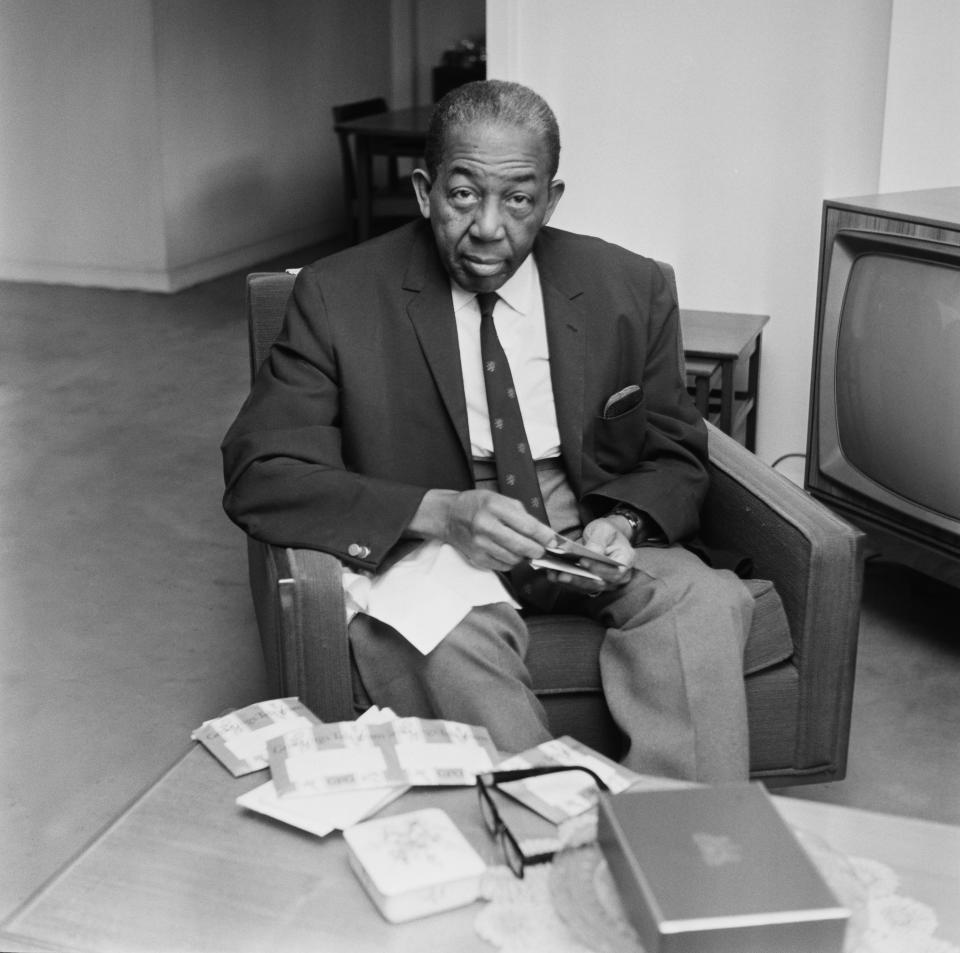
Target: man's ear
[421, 185]
[554, 192]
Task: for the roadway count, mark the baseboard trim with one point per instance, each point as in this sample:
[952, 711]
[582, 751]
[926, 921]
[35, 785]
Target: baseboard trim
[167, 281]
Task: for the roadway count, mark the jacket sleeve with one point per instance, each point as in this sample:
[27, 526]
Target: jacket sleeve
[663, 469]
[286, 480]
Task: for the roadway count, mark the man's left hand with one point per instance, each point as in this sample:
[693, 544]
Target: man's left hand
[604, 537]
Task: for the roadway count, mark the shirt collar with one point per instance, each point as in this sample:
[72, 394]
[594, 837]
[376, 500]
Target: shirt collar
[517, 292]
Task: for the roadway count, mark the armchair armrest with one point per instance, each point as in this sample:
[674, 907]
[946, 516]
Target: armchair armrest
[298, 599]
[812, 557]
[815, 561]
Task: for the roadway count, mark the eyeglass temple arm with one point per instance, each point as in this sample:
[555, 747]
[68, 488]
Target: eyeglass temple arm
[519, 774]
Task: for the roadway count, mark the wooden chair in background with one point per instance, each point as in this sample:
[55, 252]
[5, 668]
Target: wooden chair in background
[392, 198]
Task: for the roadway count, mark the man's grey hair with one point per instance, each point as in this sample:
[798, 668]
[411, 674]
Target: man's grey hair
[492, 100]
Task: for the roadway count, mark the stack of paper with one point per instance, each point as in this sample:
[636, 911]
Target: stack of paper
[327, 777]
[320, 813]
[354, 756]
[239, 740]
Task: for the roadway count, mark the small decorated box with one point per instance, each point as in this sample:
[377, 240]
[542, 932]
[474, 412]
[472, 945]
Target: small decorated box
[714, 869]
[414, 864]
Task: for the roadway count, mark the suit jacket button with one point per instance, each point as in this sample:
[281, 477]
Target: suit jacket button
[358, 551]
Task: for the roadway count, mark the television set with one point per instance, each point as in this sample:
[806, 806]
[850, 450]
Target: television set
[883, 445]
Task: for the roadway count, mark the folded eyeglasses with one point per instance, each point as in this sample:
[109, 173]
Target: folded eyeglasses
[514, 856]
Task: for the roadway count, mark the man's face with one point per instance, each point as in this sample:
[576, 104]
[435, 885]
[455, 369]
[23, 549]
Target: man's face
[491, 195]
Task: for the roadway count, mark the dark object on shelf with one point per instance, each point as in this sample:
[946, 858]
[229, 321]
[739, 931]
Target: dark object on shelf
[446, 78]
[465, 63]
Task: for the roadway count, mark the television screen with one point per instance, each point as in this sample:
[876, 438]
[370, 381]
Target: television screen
[883, 448]
[898, 377]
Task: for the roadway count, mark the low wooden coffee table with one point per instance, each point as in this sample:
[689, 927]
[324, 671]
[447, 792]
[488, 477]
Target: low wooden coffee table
[185, 869]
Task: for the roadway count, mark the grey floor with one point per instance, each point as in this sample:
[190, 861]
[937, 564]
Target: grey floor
[124, 614]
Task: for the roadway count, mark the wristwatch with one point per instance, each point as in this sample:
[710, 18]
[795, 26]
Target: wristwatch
[640, 525]
[633, 518]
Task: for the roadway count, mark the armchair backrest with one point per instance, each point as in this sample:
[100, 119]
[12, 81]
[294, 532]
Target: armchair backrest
[671, 277]
[267, 295]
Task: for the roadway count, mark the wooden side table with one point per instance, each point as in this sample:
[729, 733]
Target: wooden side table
[732, 342]
[704, 377]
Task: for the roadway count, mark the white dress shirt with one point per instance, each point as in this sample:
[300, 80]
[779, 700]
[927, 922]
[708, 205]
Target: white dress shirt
[426, 593]
[522, 329]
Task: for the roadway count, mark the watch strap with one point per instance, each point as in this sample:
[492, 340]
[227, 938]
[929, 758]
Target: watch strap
[633, 518]
[642, 528]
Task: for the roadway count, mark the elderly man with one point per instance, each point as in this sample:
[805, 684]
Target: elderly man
[443, 401]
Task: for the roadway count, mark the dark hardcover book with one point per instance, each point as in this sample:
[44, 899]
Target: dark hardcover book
[715, 869]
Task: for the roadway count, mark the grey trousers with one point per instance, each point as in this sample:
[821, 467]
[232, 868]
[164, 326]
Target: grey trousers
[671, 666]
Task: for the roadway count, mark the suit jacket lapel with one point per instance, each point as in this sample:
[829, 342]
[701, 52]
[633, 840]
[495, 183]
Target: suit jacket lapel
[430, 311]
[567, 338]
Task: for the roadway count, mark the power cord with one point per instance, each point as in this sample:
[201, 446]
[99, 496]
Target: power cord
[787, 456]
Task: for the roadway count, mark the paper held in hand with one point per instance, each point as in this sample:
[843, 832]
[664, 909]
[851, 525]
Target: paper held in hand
[565, 556]
[569, 549]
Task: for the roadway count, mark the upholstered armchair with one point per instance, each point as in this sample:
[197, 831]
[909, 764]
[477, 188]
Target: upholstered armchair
[799, 660]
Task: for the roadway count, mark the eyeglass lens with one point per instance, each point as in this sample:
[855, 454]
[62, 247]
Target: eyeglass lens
[512, 854]
[491, 818]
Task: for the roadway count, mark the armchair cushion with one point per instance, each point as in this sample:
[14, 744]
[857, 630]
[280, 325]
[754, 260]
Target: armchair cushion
[565, 668]
[559, 661]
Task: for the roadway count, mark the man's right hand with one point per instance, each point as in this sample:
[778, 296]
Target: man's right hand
[491, 530]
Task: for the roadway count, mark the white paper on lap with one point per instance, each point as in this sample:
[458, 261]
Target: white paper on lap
[425, 594]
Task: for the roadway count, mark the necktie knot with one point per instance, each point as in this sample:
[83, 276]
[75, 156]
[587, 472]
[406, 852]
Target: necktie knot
[487, 301]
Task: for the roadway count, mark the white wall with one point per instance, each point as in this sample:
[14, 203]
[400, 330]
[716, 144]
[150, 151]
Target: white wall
[708, 135]
[80, 187]
[155, 143]
[251, 166]
[921, 136]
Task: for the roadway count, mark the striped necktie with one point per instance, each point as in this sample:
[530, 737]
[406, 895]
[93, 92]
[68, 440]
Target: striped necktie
[516, 470]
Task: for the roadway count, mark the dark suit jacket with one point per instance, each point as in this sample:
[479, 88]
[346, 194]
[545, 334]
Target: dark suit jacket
[359, 408]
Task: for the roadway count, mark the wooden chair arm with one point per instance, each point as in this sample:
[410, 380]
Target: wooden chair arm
[814, 559]
[298, 598]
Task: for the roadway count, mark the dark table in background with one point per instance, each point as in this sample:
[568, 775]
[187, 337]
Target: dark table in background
[398, 132]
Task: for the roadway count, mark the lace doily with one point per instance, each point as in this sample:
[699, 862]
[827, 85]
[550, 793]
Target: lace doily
[572, 906]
